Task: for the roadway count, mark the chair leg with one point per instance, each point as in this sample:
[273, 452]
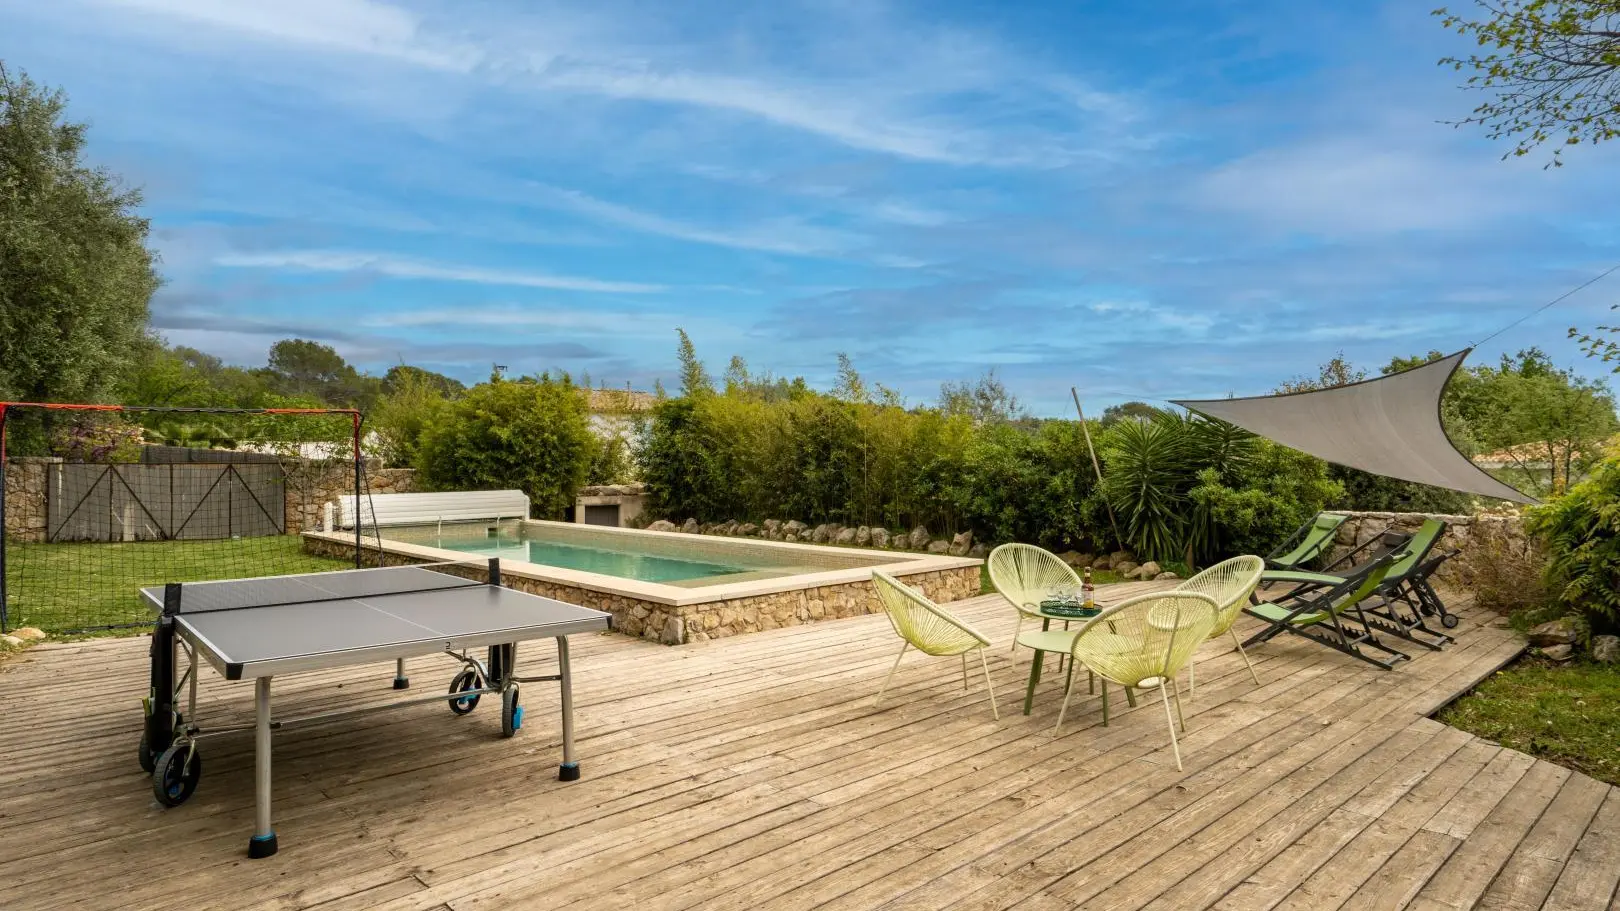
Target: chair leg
[1246, 663]
[892, 669]
[1171, 720]
[1091, 682]
[1064, 710]
[1176, 692]
[1016, 630]
[1105, 701]
[1192, 677]
[988, 687]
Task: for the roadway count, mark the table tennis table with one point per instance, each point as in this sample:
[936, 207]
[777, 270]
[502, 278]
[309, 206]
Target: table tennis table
[257, 629]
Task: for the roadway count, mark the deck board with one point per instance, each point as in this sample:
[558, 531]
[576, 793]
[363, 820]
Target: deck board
[754, 772]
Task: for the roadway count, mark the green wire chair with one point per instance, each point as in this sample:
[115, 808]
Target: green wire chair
[1144, 640]
[930, 629]
[1230, 583]
[1026, 575]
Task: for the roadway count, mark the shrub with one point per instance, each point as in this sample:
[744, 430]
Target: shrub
[530, 434]
[416, 400]
[1581, 531]
[1508, 575]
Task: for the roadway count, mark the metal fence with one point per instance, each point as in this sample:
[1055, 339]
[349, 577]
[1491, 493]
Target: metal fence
[164, 502]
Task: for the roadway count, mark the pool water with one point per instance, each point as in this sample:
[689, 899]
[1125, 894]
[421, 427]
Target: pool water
[625, 565]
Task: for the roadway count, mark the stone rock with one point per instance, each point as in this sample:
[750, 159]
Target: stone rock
[1554, 632]
[691, 526]
[1606, 649]
[961, 544]
[1122, 556]
[1559, 653]
[11, 642]
[1102, 563]
[978, 551]
[28, 633]
[880, 537]
[1165, 575]
[863, 536]
[1076, 559]
[822, 534]
[1149, 570]
[918, 539]
[709, 528]
[795, 528]
[747, 530]
[730, 528]
[939, 547]
[674, 631]
[847, 536]
[791, 539]
[662, 525]
[771, 525]
[1125, 568]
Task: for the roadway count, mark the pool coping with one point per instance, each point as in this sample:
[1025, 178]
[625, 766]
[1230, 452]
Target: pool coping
[896, 563]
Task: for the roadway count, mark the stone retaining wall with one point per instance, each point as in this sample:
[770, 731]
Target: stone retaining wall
[1475, 537]
[676, 624]
[25, 498]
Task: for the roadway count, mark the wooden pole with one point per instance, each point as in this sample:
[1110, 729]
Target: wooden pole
[1095, 465]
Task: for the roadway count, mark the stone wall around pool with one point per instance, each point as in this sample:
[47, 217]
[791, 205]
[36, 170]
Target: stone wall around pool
[697, 615]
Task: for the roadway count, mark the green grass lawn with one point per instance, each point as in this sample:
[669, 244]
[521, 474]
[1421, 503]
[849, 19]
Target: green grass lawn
[60, 587]
[1568, 714]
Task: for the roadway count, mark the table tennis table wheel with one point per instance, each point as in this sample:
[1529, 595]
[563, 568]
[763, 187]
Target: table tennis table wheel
[176, 774]
[511, 712]
[466, 680]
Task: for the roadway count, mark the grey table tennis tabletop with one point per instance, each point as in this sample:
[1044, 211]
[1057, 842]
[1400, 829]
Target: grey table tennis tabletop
[249, 628]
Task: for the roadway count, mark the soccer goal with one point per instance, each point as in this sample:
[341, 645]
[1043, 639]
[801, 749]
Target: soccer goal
[98, 501]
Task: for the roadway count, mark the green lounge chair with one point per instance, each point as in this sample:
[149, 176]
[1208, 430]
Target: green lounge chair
[1309, 542]
[1320, 614]
[1405, 596]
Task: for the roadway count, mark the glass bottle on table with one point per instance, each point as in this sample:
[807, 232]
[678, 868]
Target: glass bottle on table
[1088, 594]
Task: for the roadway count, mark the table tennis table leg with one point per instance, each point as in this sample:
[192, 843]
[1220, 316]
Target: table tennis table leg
[570, 768]
[263, 843]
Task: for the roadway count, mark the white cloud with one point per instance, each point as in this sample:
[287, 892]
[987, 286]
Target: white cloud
[780, 236]
[1356, 185]
[345, 26]
[906, 107]
[397, 267]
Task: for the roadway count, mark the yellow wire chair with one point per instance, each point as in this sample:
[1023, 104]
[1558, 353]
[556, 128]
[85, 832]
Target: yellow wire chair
[1146, 639]
[1230, 583]
[1026, 575]
[931, 630]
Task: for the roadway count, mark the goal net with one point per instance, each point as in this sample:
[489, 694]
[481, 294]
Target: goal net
[100, 501]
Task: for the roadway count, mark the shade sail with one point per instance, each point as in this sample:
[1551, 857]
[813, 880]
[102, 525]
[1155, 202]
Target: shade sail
[1388, 426]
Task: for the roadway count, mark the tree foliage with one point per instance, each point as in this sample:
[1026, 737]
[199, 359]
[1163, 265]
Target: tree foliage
[1582, 532]
[1551, 69]
[530, 434]
[75, 274]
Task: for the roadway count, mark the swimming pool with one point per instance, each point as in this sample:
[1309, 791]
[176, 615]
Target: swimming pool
[670, 586]
[625, 564]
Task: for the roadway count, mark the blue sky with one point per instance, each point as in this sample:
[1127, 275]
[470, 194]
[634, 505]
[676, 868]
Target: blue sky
[1179, 199]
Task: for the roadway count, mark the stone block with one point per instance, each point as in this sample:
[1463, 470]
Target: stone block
[662, 525]
[847, 535]
[1606, 649]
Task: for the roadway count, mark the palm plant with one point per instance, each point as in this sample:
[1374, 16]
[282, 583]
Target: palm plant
[1153, 465]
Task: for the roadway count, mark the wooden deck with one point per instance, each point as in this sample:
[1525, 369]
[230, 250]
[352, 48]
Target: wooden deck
[753, 773]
